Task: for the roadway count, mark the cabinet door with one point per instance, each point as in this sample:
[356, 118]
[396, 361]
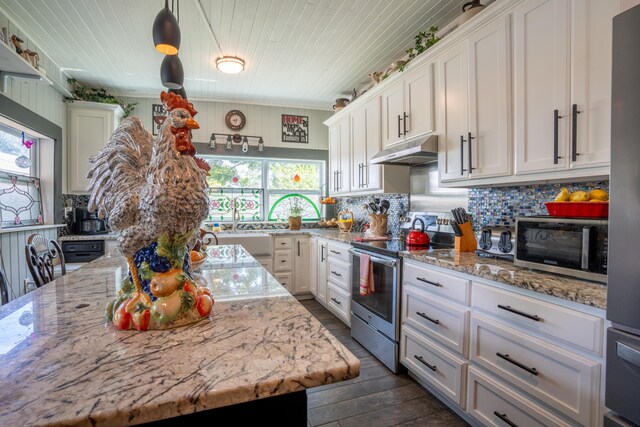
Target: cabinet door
[313, 259]
[418, 100]
[334, 157]
[541, 34]
[89, 131]
[454, 120]
[591, 49]
[302, 266]
[344, 169]
[392, 114]
[322, 271]
[490, 101]
[372, 174]
[358, 147]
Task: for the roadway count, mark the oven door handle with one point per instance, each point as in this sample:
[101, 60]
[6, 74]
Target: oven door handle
[386, 262]
[586, 243]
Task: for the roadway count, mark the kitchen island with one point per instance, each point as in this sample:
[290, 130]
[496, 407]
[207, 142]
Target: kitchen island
[61, 363]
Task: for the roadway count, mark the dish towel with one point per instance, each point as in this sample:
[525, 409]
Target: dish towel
[366, 276]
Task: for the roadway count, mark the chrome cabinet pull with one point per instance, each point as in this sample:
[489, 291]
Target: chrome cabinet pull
[469, 138]
[423, 315]
[404, 123]
[336, 274]
[321, 253]
[399, 118]
[574, 132]
[335, 252]
[506, 357]
[422, 279]
[298, 248]
[462, 169]
[336, 301]
[421, 360]
[520, 313]
[505, 419]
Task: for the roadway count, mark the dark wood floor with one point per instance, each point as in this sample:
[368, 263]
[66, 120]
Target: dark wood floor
[377, 397]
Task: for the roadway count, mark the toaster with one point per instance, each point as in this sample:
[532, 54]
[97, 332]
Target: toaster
[497, 241]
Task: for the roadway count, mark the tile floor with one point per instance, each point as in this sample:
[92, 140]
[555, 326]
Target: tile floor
[377, 397]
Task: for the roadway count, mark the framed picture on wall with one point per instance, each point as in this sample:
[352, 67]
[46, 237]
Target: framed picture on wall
[158, 116]
[295, 129]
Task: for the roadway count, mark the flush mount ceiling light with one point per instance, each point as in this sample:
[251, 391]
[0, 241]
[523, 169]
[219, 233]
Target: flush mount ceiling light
[166, 31]
[171, 72]
[230, 64]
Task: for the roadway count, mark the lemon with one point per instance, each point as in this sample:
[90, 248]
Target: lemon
[563, 196]
[579, 196]
[598, 194]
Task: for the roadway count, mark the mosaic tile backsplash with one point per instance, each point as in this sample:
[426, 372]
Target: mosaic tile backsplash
[501, 205]
[399, 207]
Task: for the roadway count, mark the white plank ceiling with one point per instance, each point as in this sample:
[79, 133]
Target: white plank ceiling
[297, 52]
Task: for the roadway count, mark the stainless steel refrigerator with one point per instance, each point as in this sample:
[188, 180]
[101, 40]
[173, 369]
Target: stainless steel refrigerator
[623, 289]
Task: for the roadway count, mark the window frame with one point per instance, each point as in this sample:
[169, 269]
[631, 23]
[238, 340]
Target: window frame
[266, 191]
[34, 152]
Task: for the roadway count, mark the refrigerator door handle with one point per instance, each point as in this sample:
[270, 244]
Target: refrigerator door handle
[627, 353]
[586, 240]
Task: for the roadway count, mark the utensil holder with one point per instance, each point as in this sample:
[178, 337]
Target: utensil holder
[466, 243]
[378, 224]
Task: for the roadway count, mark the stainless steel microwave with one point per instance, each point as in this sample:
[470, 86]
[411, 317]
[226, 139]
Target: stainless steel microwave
[572, 246]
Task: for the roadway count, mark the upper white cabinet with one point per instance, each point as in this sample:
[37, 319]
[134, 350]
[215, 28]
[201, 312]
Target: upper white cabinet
[90, 124]
[453, 114]
[407, 106]
[365, 143]
[563, 84]
[474, 105]
[339, 156]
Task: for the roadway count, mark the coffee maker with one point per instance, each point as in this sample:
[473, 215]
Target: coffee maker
[85, 222]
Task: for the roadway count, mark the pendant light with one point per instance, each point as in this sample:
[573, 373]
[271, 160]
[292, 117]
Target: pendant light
[171, 72]
[166, 31]
[181, 92]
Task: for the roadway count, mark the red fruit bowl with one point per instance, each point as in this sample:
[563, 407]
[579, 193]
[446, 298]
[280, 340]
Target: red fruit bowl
[578, 209]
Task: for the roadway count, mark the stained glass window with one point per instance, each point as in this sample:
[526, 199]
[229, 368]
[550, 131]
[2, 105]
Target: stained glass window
[20, 200]
[248, 203]
[281, 205]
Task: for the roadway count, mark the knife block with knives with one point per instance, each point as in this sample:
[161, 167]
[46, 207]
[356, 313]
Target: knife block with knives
[465, 240]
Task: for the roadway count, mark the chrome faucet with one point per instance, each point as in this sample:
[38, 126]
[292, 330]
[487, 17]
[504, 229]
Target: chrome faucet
[235, 214]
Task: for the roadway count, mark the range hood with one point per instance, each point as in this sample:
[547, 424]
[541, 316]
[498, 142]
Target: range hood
[416, 151]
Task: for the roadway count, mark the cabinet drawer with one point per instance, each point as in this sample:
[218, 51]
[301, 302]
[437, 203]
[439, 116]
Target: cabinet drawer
[282, 261]
[340, 274]
[435, 317]
[492, 403]
[285, 280]
[340, 302]
[282, 243]
[582, 330]
[563, 380]
[438, 283]
[433, 364]
[339, 251]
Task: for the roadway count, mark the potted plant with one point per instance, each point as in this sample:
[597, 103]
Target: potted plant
[83, 93]
[295, 212]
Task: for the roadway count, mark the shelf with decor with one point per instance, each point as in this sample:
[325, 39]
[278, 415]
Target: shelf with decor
[13, 65]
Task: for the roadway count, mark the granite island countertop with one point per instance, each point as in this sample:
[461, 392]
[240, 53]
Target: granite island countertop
[568, 288]
[61, 363]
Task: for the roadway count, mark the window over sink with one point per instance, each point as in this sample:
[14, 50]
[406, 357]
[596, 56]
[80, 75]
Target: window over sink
[262, 188]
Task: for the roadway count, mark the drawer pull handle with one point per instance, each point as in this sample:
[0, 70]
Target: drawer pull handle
[422, 279]
[336, 301]
[284, 260]
[520, 313]
[506, 357]
[421, 360]
[336, 274]
[283, 243]
[437, 322]
[504, 418]
[335, 252]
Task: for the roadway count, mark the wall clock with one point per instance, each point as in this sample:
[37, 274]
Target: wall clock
[235, 120]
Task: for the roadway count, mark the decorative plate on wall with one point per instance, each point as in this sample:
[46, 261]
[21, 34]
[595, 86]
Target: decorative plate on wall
[235, 120]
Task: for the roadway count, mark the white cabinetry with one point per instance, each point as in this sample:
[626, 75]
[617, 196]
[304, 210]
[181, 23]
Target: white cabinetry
[338, 275]
[302, 265]
[292, 263]
[562, 84]
[407, 106]
[339, 156]
[90, 124]
[322, 252]
[365, 143]
[474, 99]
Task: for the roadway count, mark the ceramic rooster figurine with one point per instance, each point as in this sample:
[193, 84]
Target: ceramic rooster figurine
[154, 193]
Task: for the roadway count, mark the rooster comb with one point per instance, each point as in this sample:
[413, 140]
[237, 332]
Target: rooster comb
[172, 101]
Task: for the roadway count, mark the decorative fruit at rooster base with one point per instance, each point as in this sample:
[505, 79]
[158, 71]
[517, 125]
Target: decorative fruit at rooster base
[579, 196]
[598, 195]
[563, 196]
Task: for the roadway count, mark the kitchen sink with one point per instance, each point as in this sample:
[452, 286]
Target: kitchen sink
[257, 244]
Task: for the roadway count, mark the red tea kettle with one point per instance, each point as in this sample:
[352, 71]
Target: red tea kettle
[415, 237]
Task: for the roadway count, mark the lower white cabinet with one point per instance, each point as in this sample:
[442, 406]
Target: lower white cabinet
[338, 279]
[292, 263]
[313, 260]
[339, 302]
[322, 263]
[285, 280]
[494, 403]
[302, 265]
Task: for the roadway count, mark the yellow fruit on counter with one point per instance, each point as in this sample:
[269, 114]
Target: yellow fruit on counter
[599, 195]
[598, 201]
[563, 196]
[579, 196]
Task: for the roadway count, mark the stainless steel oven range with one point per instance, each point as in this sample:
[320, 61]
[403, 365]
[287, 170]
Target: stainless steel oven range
[375, 318]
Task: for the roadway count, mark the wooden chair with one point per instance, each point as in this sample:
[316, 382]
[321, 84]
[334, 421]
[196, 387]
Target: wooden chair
[42, 257]
[4, 284]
